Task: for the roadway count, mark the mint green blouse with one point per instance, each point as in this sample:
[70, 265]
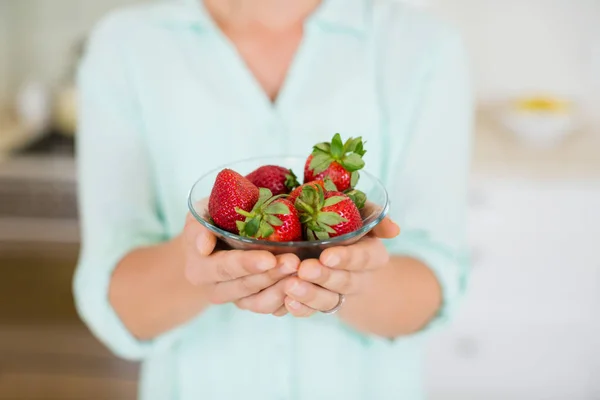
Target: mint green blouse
[164, 97]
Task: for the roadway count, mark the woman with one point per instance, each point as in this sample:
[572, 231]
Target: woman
[172, 90]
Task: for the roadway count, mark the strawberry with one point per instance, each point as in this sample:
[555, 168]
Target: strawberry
[277, 179]
[338, 161]
[273, 218]
[327, 214]
[326, 185]
[231, 191]
[359, 198]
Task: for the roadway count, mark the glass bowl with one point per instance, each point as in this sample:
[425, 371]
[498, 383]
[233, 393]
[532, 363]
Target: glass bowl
[372, 214]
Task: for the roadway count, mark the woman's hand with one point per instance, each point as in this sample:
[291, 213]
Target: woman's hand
[235, 275]
[339, 270]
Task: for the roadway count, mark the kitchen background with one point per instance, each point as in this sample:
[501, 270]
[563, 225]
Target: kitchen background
[530, 326]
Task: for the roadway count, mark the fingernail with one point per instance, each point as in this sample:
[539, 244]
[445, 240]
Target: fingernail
[294, 305]
[298, 289]
[312, 273]
[201, 243]
[332, 261]
[287, 268]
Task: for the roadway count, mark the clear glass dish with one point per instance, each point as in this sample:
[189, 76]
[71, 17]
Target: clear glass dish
[372, 214]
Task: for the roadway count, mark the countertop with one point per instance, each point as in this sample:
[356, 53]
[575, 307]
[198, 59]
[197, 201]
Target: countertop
[55, 168]
[499, 154]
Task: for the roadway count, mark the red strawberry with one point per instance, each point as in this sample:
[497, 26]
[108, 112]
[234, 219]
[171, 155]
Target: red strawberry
[277, 179]
[298, 191]
[337, 161]
[231, 191]
[327, 214]
[273, 218]
[326, 185]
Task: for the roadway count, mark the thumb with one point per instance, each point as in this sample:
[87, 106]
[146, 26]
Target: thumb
[386, 229]
[205, 241]
[199, 236]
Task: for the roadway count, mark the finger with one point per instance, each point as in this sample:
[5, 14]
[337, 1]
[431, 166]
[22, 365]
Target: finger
[367, 254]
[198, 237]
[267, 301]
[287, 264]
[230, 265]
[311, 295]
[386, 229]
[298, 309]
[282, 311]
[246, 286]
[335, 280]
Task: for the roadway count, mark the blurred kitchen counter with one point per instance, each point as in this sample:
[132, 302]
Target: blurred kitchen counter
[39, 201]
[12, 135]
[51, 167]
[499, 154]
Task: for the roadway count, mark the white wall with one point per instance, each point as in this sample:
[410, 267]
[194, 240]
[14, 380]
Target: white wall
[516, 45]
[531, 45]
[4, 51]
[47, 31]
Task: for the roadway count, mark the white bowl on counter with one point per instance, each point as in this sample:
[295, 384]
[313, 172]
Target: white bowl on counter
[539, 122]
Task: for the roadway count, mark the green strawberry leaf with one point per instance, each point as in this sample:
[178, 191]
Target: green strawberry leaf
[327, 228]
[353, 162]
[360, 148]
[333, 200]
[320, 195]
[291, 181]
[358, 198]
[252, 226]
[329, 185]
[317, 228]
[351, 145]
[265, 230]
[273, 220]
[308, 195]
[337, 147]
[322, 235]
[354, 178]
[311, 236]
[322, 147]
[277, 208]
[240, 226]
[320, 162]
[305, 218]
[331, 218]
[264, 195]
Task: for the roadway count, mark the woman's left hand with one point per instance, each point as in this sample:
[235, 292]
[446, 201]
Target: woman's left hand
[342, 270]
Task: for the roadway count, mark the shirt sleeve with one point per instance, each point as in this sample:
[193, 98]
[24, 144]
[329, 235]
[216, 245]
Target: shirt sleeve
[429, 188]
[117, 200]
[427, 173]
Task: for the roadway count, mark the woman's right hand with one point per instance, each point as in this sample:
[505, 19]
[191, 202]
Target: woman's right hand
[251, 279]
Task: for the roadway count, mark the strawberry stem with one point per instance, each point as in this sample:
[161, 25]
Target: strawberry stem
[304, 206]
[244, 212]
